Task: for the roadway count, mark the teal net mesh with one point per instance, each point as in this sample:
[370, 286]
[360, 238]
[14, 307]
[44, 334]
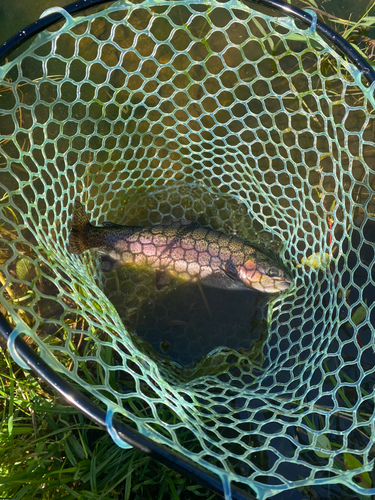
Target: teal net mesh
[250, 125]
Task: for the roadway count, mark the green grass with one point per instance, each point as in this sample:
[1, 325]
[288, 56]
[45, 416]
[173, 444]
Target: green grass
[50, 450]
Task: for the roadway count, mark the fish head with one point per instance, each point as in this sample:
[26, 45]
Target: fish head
[265, 276]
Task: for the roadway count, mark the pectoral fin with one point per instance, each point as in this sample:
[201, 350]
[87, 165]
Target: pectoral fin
[230, 270]
[108, 264]
[162, 279]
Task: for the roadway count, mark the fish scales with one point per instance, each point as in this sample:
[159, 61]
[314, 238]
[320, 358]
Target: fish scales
[183, 249]
[179, 245]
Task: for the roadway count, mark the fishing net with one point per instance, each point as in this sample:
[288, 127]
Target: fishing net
[249, 124]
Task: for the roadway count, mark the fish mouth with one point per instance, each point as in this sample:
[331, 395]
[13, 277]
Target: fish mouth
[283, 285]
[276, 286]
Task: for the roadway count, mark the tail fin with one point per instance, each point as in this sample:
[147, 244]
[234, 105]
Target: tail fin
[80, 221]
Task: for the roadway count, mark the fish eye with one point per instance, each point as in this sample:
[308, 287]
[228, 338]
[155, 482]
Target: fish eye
[273, 272]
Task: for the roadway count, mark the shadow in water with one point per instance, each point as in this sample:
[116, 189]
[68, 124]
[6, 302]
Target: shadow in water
[190, 321]
[185, 322]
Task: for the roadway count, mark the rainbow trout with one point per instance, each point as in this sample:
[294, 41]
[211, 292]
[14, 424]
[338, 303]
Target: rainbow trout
[180, 249]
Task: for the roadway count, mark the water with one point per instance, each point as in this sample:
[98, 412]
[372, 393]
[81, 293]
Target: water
[186, 322]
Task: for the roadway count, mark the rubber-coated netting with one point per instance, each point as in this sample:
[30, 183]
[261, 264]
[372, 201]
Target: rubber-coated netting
[248, 124]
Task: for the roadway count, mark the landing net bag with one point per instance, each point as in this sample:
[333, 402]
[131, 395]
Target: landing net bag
[251, 125]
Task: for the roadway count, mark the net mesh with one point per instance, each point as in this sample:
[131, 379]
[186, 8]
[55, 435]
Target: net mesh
[251, 125]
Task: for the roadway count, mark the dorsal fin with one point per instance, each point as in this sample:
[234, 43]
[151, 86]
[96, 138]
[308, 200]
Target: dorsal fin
[162, 279]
